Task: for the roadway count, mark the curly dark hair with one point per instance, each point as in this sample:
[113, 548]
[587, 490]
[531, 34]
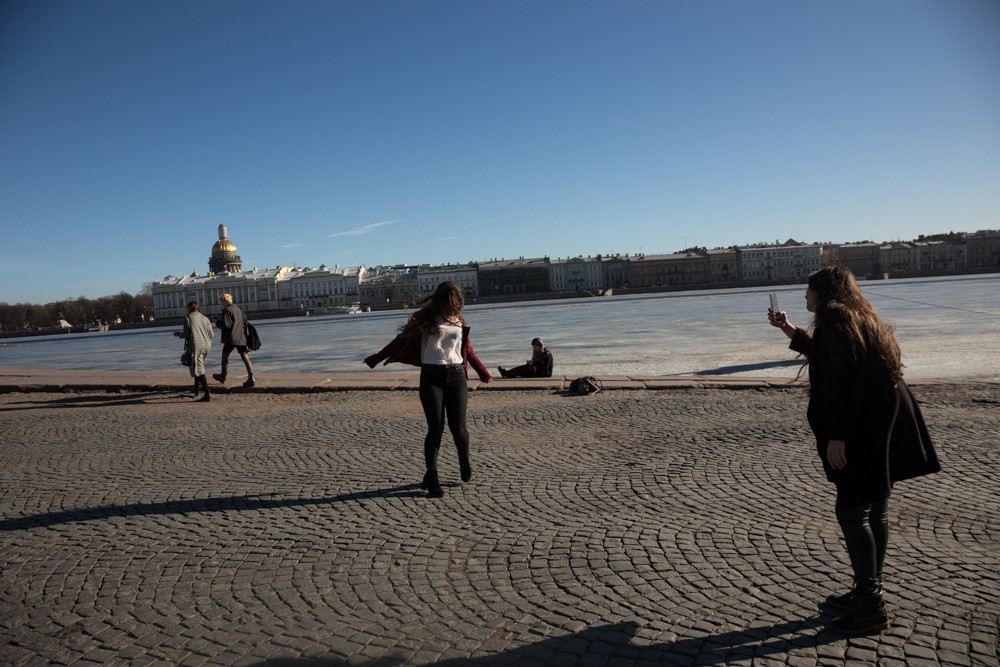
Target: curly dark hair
[841, 305]
[444, 304]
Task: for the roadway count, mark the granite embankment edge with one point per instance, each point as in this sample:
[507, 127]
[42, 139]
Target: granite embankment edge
[43, 380]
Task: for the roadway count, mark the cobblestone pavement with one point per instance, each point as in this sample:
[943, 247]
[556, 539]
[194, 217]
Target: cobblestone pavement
[685, 526]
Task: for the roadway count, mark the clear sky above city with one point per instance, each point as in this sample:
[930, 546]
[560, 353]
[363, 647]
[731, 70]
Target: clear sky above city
[396, 132]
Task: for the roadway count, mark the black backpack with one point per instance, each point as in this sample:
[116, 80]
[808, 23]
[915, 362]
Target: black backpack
[253, 340]
[585, 385]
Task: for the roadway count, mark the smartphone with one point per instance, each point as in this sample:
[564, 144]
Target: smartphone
[774, 302]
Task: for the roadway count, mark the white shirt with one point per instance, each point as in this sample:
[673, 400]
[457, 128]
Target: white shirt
[443, 347]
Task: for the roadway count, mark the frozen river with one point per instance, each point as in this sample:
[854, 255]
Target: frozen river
[947, 328]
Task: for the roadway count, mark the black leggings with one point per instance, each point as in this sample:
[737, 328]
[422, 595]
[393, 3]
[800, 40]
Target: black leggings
[444, 391]
[866, 533]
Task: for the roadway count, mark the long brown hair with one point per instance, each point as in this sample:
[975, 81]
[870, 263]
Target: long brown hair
[869, 338]
[444, 304]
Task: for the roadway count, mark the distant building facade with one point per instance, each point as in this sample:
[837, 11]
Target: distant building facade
[465, 276]
[507, 277]
[725, 265]
[983, 250]
[686, 268]
[791, 262]
[321, 289]
[863, 259]
[575, 274]
[253, 291]
[297, 289]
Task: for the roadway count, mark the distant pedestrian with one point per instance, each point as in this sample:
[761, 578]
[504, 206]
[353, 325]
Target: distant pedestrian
[233, 325]
[197, 334]
[539, 366]
[436, 338]
[869, 430]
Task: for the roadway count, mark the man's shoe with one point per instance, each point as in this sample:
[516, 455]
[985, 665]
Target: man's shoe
[207, 397]
[249, 383]
[219, 377]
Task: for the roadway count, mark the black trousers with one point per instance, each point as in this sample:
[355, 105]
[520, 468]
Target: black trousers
[444, 395]
[866, 534]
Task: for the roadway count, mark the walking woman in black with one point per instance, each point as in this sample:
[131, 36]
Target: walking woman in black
[868, 427]
[436, 338]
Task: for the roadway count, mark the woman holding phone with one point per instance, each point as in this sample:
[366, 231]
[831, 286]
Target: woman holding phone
[868, 428]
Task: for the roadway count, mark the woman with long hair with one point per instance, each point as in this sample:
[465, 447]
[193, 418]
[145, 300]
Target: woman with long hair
[436, 338]
[869, 430]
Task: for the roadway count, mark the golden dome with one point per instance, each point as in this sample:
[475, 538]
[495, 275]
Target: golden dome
[223, 245]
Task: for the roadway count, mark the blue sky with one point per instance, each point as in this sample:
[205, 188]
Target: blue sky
[385, 132]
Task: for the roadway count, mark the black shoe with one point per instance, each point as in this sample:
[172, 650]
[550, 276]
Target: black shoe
[433, 485]
[207, 397]
[249, 383]
[868, 616]
[852, 598]
[466, 469]
[844, 602]
[503, 373]
[219, 377]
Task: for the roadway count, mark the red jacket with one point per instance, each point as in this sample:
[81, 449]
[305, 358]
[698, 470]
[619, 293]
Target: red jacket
[406, 350]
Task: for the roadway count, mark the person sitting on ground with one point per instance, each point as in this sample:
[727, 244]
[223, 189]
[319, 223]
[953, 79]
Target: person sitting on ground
[539, 366]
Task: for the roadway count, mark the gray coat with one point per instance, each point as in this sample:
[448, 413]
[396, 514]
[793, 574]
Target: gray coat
[198, 330]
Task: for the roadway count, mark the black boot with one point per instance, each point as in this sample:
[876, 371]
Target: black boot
[433, 485]
[194, 390]
[220, 377]
[204, 387]
[848, 600]
[249, 383]
[867, 616]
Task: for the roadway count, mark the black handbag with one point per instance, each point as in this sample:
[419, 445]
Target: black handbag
[186, 356]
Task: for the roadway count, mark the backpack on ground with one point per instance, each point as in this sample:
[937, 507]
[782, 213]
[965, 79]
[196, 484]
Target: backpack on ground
[253, 340]
[585, 385]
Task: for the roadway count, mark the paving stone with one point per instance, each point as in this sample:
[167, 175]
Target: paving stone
[688, 525]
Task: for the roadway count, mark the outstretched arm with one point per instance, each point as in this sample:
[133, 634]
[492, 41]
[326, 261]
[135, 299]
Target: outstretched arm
[780, 319]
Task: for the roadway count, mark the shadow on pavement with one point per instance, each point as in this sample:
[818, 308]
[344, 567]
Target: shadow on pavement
[612, 644]
[92, 401]
[744, 368]
[197, 505]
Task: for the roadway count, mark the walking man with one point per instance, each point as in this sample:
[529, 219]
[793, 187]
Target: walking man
[232, 322]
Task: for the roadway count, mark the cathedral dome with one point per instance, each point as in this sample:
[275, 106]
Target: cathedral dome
[224, 257]
[223, 245]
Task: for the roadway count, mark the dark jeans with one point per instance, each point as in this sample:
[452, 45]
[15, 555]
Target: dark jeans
[866, 533]
[525, 371]
[444, 392]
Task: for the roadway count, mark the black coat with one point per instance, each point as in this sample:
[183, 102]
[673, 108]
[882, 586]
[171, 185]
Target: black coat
[881, 424]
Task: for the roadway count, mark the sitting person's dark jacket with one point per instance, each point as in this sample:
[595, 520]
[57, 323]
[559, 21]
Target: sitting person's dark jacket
[540, 365]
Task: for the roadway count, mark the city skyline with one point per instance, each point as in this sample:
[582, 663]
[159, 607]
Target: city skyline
[395, 133]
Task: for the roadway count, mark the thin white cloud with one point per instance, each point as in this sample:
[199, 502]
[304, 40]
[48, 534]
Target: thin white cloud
[363, 229]
[448, 238]
[476, 224]
[294, 245]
